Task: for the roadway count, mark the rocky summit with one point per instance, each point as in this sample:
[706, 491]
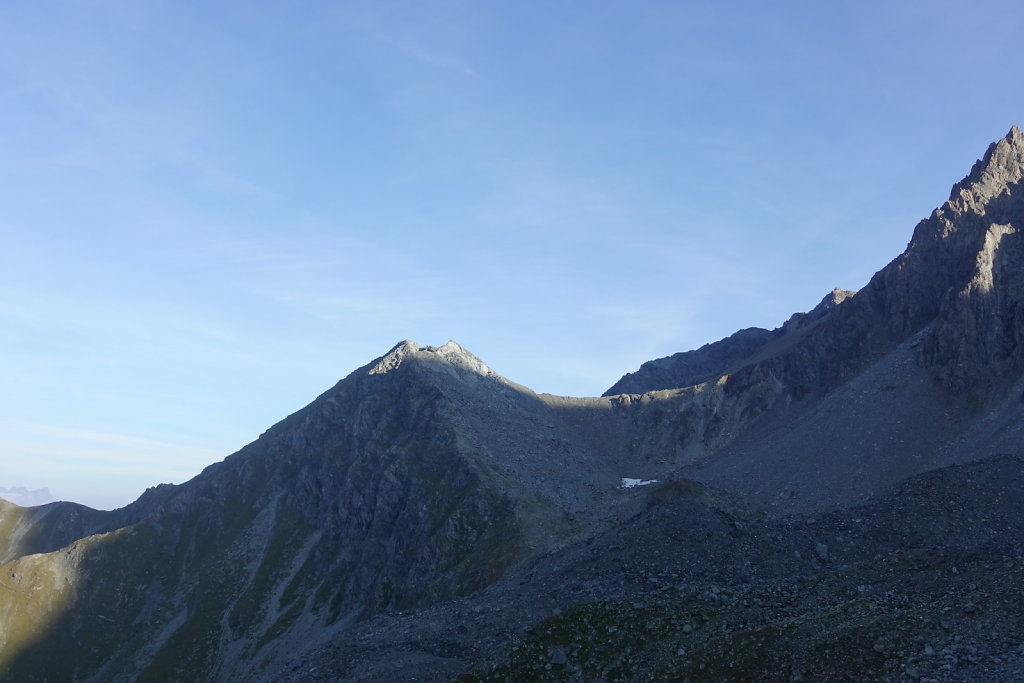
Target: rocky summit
[841, 498]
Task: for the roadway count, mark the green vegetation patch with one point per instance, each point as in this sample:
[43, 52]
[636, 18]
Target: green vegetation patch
[697, 640]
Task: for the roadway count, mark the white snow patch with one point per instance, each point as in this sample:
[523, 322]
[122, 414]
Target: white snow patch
[628, 483]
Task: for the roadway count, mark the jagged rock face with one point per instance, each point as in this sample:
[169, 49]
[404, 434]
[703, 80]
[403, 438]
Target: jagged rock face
[959, 278]
[954, 274]
[977, 341]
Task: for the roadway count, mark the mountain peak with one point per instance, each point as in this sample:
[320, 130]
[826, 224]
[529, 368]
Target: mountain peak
[395, 357]
[831, 300]
[450, 354]
[1001, 166]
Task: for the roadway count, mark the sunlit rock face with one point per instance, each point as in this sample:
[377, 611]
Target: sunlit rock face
[786, 503]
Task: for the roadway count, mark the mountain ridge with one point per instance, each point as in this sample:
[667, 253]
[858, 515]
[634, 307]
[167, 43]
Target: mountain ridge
[425, 486]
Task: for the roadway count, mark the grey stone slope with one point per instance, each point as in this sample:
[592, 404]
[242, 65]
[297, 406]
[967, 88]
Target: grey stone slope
[922, 577]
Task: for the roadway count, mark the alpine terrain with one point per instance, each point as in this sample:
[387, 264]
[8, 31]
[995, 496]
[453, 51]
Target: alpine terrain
[841, 498]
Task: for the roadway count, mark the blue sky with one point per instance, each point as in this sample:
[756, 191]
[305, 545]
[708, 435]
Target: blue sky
[211, 212]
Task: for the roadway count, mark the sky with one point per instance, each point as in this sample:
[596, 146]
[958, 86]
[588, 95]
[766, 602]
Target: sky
[212, 212]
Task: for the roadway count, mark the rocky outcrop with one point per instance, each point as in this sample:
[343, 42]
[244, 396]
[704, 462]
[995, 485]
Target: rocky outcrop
[976, 345]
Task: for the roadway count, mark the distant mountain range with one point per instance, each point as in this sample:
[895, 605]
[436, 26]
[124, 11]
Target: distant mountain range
[841, 498]
[19, 495]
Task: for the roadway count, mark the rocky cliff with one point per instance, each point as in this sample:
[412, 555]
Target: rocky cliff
[910, 366]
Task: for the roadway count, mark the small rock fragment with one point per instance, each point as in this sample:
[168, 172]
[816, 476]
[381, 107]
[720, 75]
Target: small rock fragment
[822, 551]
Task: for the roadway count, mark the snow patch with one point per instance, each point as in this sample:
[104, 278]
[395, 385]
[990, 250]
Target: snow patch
[628, 483]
